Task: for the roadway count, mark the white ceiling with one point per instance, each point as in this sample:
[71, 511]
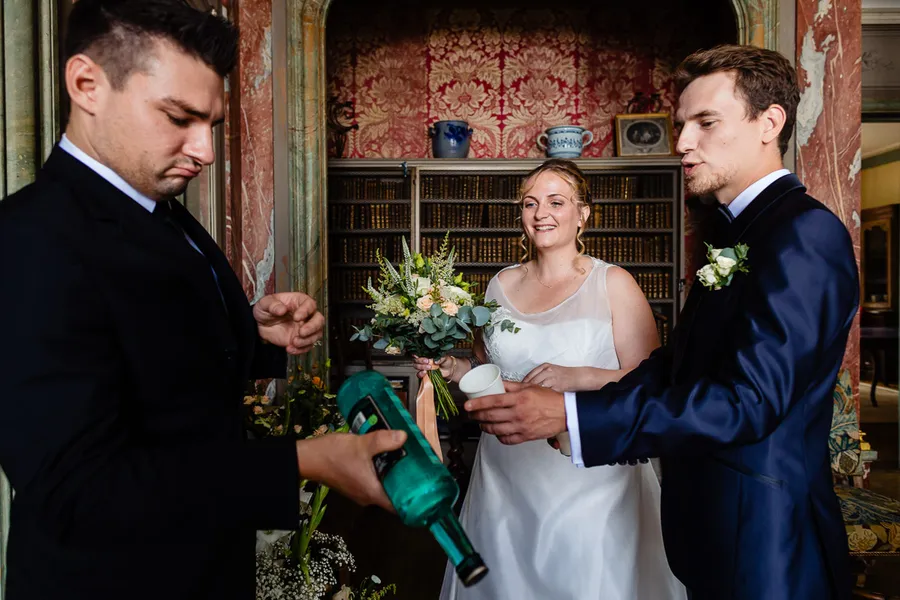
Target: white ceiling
[878, 138]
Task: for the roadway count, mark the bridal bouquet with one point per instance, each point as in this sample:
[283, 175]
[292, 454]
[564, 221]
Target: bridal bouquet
[425, 308]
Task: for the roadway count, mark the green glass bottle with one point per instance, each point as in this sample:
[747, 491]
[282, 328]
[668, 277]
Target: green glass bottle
[419, 486]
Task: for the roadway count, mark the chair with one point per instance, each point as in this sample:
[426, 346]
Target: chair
[872, 521]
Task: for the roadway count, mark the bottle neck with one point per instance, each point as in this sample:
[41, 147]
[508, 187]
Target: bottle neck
[453, 539]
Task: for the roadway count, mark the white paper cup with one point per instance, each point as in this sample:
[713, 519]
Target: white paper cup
[483, 380]
[565, 444]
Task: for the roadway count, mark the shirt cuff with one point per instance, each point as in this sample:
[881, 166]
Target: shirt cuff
[572, 426]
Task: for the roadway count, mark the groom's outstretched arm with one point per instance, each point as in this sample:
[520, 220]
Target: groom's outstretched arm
[797, 306]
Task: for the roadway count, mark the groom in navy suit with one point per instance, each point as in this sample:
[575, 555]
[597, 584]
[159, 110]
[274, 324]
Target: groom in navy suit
[739, 405]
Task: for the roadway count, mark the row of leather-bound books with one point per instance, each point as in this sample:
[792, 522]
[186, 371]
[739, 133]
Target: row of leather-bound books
[360, 249]
[369, 216]
[630, 248]
[503, 249]
[655, 285]
[368, 188]
[470, 187]
[632, 216]
[507, 187]
[629, 187]
[489, 216]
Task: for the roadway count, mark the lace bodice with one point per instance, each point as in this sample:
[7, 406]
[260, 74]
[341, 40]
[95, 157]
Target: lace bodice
[575, 333]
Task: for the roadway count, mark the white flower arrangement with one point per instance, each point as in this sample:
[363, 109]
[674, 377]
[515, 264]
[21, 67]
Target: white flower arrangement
[723, 264]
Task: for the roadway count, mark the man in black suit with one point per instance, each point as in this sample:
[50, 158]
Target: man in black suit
[127, 338]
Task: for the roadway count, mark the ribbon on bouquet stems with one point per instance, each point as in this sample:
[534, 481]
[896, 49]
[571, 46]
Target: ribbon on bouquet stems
[426, 418]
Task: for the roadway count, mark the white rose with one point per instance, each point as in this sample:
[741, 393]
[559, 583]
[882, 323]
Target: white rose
[423, 285]
[724, 265]
[714, 253]
[394, 350]
[424, 303]
[708, 275]
[450, 308]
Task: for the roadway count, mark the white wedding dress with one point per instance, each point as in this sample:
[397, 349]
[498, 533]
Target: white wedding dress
[546, 529]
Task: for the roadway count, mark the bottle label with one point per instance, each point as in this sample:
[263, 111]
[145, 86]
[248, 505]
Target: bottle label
[370, 418]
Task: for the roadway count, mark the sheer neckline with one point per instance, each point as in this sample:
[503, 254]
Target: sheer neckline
[509, 304]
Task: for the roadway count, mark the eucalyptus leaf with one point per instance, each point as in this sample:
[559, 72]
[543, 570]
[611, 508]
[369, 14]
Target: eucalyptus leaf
[463, 325]
[482, 315]
[430, 342]
[381, 344]
[460, 335]
[428, 325]
[464, 314]
[488, 330]
[439, 336]
[447, 347]
[436, 310]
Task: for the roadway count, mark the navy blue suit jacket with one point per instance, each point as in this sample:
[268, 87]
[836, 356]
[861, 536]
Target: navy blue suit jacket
[739, 408]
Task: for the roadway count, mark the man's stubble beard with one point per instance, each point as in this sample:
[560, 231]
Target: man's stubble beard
[709, 184]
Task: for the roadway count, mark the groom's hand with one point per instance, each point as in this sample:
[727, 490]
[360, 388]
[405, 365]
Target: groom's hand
[526, 412]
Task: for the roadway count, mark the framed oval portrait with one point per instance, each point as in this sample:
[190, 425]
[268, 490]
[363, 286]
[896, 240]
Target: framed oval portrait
[647, 134]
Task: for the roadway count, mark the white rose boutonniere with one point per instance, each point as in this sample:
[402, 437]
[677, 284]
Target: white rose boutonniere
[723, 264]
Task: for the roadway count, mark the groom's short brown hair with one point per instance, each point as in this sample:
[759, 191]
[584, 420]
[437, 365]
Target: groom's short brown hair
[762, 77]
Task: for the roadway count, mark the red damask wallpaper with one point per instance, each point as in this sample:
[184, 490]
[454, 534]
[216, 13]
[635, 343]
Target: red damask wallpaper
[511, 72]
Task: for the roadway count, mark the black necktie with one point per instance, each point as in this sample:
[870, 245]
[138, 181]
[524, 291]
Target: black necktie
[726, 213]
[163, 211]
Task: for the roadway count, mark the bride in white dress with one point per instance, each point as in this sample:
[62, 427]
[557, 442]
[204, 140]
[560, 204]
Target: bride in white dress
[546, 529]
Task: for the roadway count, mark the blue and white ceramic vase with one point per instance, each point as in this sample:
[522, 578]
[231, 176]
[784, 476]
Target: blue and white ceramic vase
[565, 141]
[450, 139]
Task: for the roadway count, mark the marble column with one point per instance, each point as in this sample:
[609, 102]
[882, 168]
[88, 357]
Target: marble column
[29, 126]
[249, 229]
[829, 119]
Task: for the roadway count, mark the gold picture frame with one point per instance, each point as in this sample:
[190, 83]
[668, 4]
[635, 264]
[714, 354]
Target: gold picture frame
[644, 134]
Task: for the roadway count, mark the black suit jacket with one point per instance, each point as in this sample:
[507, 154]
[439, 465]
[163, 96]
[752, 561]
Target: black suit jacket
[120, 401]
[739, 408]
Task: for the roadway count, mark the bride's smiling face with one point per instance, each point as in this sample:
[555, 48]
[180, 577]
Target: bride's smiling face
[551, 213]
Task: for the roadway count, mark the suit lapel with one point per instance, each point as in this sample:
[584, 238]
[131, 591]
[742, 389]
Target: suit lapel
[732, 233]
[123, 219]
[776, 190]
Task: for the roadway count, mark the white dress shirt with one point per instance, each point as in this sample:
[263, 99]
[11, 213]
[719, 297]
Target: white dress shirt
[736, 207]
[113, 178]
[123, 186]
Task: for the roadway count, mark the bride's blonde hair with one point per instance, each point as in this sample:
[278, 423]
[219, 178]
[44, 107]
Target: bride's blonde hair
[571, 174]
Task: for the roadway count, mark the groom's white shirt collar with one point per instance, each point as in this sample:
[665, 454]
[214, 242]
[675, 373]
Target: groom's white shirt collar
[744, 199]
[106, 173]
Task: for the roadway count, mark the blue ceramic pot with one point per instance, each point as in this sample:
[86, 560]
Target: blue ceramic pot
[450, 139]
